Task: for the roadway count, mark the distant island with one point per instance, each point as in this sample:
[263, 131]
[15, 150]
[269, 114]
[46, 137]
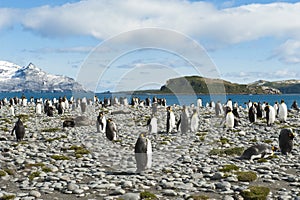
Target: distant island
[202, 85]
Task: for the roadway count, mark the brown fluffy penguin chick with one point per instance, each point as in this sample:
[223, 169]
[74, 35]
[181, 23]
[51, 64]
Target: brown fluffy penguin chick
[286, 137]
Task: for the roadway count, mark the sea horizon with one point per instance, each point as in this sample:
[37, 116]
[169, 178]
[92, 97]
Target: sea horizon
[178, 99]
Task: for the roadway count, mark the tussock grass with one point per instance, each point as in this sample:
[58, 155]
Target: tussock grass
[9, 171]
[8, 196]
[255, 193]
[60, 157]
[34, 165]
[46, 169]
[246, 176]
[148, 195]
[34, 175]
[229, 168]
[2, 173]
[79, 151]
[198, 197]
[51, 130]
[224, 141]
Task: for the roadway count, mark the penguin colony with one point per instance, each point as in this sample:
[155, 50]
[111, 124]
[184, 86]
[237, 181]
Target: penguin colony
[187, 123]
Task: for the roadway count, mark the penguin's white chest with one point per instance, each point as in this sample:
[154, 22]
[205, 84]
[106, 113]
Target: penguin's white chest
[194, 123]
[149, 154]
[172, 120]
[229, 120]
[153, 125]
[272, 115]
[282, 114]
[12, 111]
[103, 121]
[38, 109]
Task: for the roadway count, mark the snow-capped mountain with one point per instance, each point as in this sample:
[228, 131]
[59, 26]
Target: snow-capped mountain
[14, 78]
[291, 86]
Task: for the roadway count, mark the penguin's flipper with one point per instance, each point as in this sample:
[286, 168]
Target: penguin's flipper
[12, 131]
[148, 121]
[237, 159]
[114, 127]
[178, 124]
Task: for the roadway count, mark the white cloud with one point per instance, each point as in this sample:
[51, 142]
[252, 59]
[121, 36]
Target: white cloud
[8, 17]
[289, 52]
[78, 49]
[105, 18]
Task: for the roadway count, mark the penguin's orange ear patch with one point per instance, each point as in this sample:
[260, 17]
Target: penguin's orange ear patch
[274, 148]
[292, 135]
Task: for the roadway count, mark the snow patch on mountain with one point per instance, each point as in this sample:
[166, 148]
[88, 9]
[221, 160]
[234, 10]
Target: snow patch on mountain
[14, 78]
[7, 70]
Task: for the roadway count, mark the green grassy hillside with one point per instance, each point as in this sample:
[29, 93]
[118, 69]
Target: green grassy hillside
[201, 85]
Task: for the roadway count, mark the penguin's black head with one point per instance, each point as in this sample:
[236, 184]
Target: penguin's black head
[228, 109]
[291, 134]
[101, 114]
[19, 122]
[143, 135]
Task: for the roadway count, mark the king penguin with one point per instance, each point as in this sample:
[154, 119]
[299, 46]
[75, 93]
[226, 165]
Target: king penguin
[143, 153]
[38, 108]
[286, 137]
[270, 114]
[152, 125]
[199, 103]
[259, 111]
[101, 123]
[170, 120]
[218, 108]
[252, 113]
[229, 104]
[229, 119]
[11, 110]
[60, 109]
[19, 130]
[183, 122]
[194, 121]
[295, 105]
[83, 105]
[282, 112]
[111, 130]
[258, 151]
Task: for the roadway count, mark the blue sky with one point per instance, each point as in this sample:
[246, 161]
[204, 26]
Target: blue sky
[246, 40]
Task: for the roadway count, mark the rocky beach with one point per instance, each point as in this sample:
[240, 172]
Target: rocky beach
[78, 162]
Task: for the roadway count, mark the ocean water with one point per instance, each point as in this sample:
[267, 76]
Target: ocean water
[171, 99]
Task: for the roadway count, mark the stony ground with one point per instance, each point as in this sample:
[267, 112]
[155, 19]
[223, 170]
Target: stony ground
[79, 163]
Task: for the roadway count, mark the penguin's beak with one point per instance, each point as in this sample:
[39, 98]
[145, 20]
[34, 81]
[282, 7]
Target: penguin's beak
[274, 149]
[292, 135]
